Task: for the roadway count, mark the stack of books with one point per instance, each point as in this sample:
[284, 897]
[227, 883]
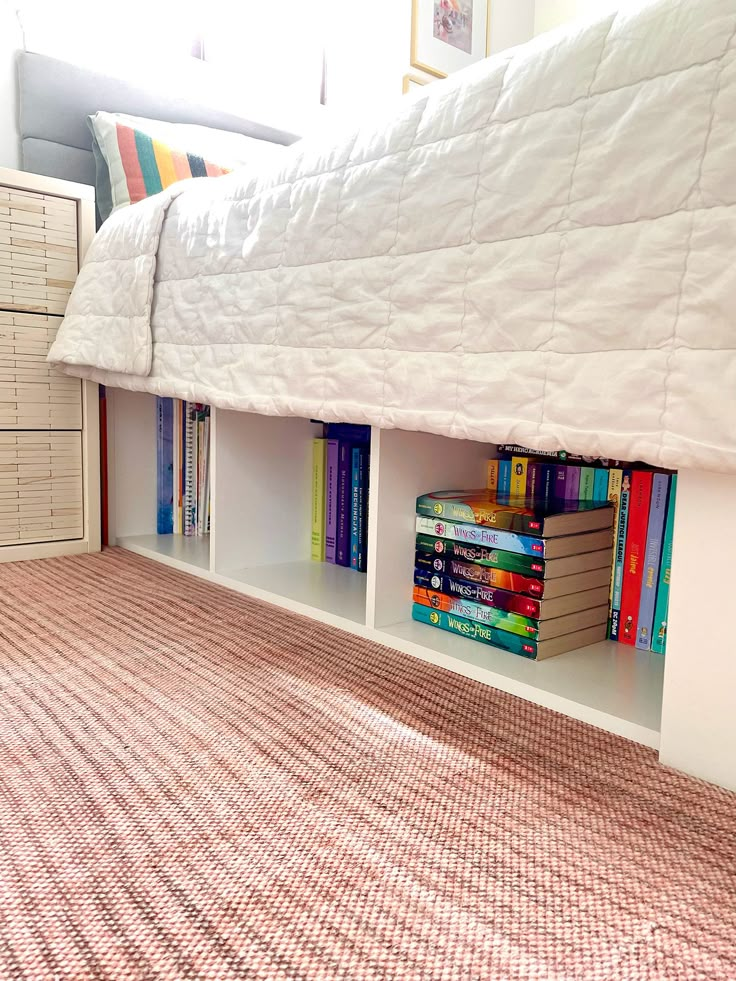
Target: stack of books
[643, 499]
[340, 479]
[183, 467]
[531, 579]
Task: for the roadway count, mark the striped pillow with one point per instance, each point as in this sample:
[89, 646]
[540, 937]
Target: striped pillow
[138, 157]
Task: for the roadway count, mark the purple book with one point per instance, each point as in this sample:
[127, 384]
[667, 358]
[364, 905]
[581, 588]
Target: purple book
[560, 484]
[572, 487]
[533, 482]
[333, 459]
[652, 555]
[344, 480]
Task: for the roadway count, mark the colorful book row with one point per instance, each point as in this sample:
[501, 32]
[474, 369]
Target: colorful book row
[183, 467]
[340, 470]
[644, 506]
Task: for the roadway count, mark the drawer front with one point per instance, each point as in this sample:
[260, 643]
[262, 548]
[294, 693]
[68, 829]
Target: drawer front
[33, 394]
[40, 487]
[38, 251]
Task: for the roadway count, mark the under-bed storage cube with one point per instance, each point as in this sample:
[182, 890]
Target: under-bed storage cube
[33, 394]
[40, 487]
[38, 250]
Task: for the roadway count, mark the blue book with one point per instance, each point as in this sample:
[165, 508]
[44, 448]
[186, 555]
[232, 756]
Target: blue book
[620, 543]
[650, 576]
[165, 466]
[600, 485]
[504, 478]
[355, 491]
[344, 478]
[548, 483]
[349, 431]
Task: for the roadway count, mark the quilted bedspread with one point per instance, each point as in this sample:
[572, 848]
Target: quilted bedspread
[540, 249]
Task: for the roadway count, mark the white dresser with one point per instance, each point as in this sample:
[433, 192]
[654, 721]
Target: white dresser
[49, 422]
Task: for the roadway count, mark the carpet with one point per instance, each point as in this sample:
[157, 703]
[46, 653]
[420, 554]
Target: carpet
[197, 785]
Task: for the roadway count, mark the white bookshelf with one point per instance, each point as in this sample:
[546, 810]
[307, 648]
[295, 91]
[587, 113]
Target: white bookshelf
[260, 543]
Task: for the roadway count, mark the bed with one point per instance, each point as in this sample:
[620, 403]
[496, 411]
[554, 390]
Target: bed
[536, 250]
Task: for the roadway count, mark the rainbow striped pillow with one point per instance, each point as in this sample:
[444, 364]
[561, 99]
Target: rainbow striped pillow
[138, 157]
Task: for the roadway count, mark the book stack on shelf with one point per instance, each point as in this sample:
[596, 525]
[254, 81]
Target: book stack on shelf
[531, 579]
[643, 499]
[183, 467]
[340, 471]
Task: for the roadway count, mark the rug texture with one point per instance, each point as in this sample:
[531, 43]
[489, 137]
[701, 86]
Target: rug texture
[197, 785]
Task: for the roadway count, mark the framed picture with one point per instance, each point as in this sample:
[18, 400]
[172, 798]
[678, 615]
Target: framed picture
[412, 83]
[447, 35]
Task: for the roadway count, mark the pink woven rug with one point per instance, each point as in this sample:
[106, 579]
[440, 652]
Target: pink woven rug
[196, 785]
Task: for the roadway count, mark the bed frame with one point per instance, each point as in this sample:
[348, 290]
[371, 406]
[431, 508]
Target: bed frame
[683, 704]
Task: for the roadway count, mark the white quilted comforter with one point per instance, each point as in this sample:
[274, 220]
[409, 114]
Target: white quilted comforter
[540, 250]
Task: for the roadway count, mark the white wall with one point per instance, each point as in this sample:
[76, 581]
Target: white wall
[10, 41]
[549, 14]
[369, 55]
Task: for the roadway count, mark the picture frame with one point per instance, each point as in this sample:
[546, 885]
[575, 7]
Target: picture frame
[447, 35]
[411, 82]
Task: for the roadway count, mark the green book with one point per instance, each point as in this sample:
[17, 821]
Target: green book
[587, 484]
[319, 466]
[659, 628]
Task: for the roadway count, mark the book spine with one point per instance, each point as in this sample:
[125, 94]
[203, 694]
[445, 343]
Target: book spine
[480, 556]
[518, 477]
[476, 592]
[587, 484]
[572, 486]
[492, 475]
[652, 555]
[533, 483]
[475, 631]
[348, 431]
[620, 553]
[636, 539]
[504, 479]
[482, 535]
[318, 499]
[333, 454]
[614, 496]
[364, 478]
[548, 483]
[344, 475]
[559, 492]
[600, 484]
[189, 506]
[354, 506]
[160, 480]
[659, 632]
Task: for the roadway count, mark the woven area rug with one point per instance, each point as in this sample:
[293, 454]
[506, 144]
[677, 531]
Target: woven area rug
[197, 785]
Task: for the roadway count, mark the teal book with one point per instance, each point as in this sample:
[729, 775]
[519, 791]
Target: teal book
[659, 632]
[600, 485]
[504, 479]
[509, 541]
[473, 630]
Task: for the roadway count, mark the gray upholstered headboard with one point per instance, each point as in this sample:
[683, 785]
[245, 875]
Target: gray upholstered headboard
[56, 98]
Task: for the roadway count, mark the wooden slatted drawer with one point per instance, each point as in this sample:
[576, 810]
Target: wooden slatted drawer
[33, 394]
[40, 487]
[38, 251]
